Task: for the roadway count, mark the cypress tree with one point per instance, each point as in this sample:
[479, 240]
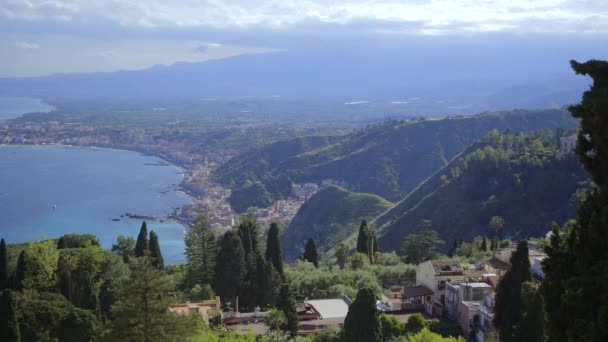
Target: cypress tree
[531, 326]
[142, 241]
[20, 272]
[509, 306]
[9, 323]
[484, 245]
[310, 252]
[362, 238]
[273, 248]
[287, 304]
[155, 254]
[3, 266]
[230, 266]
[61, 244]
[362, 323]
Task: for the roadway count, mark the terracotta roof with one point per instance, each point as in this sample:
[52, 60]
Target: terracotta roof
[416, 291]
[497, 263]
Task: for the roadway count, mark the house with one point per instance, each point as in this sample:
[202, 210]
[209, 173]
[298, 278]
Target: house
[496, 266]
[434, 274]
[456, 292]
[324, 308]
[411, 298]
[567, 146]
[475, 319]
[209, 309]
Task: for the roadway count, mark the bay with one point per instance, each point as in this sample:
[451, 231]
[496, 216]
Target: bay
[12, 107]
[48, 191]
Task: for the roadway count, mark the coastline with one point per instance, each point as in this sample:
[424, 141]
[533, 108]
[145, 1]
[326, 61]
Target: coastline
[179, 188]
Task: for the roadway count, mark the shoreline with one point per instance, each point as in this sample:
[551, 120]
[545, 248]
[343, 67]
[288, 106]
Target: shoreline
[179, 188]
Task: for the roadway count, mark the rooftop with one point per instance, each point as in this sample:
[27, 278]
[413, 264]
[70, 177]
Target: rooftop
[330, 308]
[446, 266]
[416, 291]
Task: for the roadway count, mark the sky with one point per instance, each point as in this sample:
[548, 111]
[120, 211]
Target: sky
[41, 37]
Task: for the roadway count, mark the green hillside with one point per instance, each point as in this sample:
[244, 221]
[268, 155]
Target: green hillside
[512, 175]
[329, 216]
[388, 159]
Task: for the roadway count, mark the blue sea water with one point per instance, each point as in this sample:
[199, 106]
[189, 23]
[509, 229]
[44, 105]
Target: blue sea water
[12, 107]
[48, 191]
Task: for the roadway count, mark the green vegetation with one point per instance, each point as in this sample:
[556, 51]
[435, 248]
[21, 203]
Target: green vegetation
[142, 241]
[310, 253]
[330, 216]
[362, 323]
[423, 245]
[286, 303]
[509, 178]
[273, 248]
[576, 269]
[388, 160]
[509, 309]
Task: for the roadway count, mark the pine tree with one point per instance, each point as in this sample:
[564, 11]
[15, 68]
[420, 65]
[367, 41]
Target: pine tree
[9, 322]
[576, 268]
[287, 304]
[155, 254]
[3, 266]
[20, 272]
[142, 241]
[363, 238]
[509, 306]
[362, 323]
[273, 248]
[230, 266]
[141, 312]
[201, 251]
[310, 252]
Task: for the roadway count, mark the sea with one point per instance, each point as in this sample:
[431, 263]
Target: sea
[12, 107]
[48, 191]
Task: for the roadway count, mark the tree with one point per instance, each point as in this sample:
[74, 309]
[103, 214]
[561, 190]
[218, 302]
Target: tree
[19, 278]
[275, 319]
[531, 326]
[392, 328]
[421, 246]
[230, 267]
[362, 323]
[141, 312]
[497, 223]
[142, 241]
[484, 245]
[248, 230]
[576, 266]
[509, 306]
[425, 335]
[201, 251]
[287, 304]
[9, 322]
[155, 254]
[341, 254]
[415, 323]
[310, 252]
[125, 247]
[273, 248]
[3, 266]
[61, 244]
[362, 238]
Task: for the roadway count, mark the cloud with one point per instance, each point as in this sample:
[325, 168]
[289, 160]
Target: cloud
[461, 16]
[27, 45]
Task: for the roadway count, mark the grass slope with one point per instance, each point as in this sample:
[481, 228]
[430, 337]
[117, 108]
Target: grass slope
[330, 216]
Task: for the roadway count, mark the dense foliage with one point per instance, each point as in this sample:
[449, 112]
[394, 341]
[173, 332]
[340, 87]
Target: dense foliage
[514, 176]
[576, 287]
[330, 216]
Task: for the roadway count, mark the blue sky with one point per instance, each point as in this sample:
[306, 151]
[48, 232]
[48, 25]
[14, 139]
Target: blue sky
[39, 37]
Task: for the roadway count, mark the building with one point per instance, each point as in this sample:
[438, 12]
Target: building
[412, 298]
[475, 319]
[434, 274]
[567, 146]
[209, 309]
[456, 292]
[336, 308]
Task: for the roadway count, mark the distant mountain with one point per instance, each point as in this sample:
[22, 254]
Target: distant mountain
[391, 79]
[388, 160]
[512, 175]
[329, 216]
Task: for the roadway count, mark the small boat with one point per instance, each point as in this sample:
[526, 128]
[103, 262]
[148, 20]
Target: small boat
[54, 206]
[115, 219]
